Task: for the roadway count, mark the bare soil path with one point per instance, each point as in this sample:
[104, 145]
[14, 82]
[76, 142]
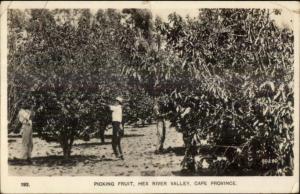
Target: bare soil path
[92, 158]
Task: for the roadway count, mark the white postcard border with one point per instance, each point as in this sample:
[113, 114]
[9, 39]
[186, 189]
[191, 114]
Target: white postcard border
[86, 184]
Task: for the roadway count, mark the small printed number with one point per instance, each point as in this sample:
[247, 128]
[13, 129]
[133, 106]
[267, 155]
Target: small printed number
[24, 184]
[269, 161]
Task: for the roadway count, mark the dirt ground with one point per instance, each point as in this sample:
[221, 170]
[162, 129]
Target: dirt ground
[93, 158]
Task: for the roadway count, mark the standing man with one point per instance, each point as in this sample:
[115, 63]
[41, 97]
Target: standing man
[160, 127]
[118, 132]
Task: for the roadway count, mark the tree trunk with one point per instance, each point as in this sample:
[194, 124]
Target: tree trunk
[190, 153]
[185, 138]
[67, 147]
[161, 135]
[67, 152]
[101, 133]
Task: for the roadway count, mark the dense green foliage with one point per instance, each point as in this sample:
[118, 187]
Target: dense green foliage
[66, 68]
[232, 68]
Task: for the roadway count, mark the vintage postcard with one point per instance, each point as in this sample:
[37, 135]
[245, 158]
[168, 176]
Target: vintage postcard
[149, 97]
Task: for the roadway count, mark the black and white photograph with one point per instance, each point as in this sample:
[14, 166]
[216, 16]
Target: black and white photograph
[143, 92]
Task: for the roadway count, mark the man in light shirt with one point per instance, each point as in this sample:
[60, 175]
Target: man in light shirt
[117, 128]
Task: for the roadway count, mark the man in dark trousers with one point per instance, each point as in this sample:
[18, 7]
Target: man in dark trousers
[118, 130]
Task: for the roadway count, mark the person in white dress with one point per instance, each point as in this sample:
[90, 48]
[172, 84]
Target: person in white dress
[26, 132]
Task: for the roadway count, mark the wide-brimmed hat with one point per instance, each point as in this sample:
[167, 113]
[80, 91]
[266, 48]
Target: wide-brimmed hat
[119, 99]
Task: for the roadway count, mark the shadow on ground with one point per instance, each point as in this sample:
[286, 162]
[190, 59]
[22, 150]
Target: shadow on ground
[90, 144]
[125, 135]
[178, 151]
[106, 136]
[11, 140]
[55, 160]
[87, 144]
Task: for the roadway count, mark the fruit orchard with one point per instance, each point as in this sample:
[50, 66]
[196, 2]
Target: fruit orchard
[234, 70]
[231, 68]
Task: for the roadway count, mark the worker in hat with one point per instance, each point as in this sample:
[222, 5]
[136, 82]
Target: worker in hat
[118, 130]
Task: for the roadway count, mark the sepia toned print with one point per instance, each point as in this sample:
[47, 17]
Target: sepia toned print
[140, 92]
